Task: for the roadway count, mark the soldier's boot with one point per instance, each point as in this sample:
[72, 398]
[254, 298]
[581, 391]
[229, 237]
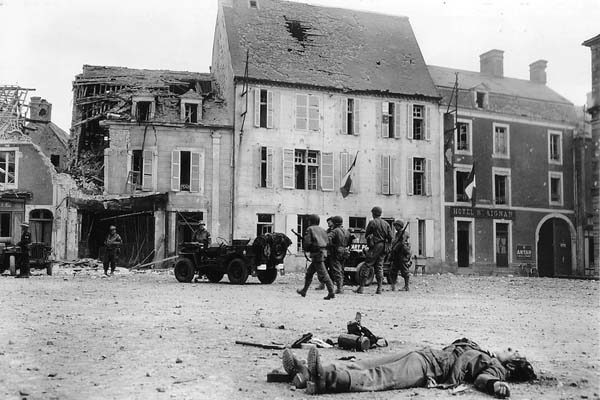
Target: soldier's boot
[340, 286]
[406, 280]
[379, 284]
[296, 368]
[330, 292]
[325, 378]
[321, 286]
[360, 289]
[302, 292]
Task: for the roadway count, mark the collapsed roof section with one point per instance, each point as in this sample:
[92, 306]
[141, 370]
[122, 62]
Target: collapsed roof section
[106, 92]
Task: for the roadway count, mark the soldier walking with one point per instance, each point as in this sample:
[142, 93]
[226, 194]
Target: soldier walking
[315, 242]
[24, 244]
[113, 248]
[339, 240]
[400, 255]
[379, 238]
[328, 258]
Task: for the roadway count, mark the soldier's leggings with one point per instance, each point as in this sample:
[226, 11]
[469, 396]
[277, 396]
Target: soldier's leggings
[399, 266]
[374, 259]
[337, 271]
[318, 267]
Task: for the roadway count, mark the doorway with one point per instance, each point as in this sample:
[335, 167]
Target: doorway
[501, 245]
[463, 243]
[554, 248]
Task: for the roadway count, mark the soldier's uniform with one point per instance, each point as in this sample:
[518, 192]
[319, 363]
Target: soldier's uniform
[339, 240]
[113, 247]
[202, 236]
[379, 238]
[24, 245]
[400, 255]
[315, 242]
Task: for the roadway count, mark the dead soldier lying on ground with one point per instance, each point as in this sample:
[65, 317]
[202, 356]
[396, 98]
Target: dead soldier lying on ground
[462, 361]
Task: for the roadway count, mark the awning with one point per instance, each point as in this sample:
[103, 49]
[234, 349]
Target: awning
[100, 204]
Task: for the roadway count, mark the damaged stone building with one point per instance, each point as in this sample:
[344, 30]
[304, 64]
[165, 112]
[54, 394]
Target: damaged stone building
[310, 90]
[37, 198]
[152, 151]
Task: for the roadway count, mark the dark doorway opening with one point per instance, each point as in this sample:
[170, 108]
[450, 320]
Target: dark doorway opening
[501, 245]
[463, 243]
[554, 249]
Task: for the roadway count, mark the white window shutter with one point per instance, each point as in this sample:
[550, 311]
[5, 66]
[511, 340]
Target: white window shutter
[256, 107]
[269, 109]
[426, 121]
[344, 115]
[397, 121]
[409, 121]
[343, 165]
[175, 172]
[428, 169]
[413, 231]
[409, 176]
[385, 131]
[429, 233]
[356, 116]
[391, 175]
[195, 171]
[269, 167]
[385, 174]
[288, 168]
[147, 179]
[327, 171]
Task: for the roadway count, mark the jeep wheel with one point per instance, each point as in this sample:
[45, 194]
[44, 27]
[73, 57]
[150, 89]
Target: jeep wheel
[364, 271]
[267, 276]
[237, 271]
[184, 270]
[214, 276]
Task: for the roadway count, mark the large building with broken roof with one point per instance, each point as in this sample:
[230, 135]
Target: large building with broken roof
[152, 151]
[514, 137]
[311, 89]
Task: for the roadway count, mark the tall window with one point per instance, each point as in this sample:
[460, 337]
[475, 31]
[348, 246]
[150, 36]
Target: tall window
[263, 108]
[307, 169]
[308, 112]
[264, 224]
[501, 141]
[556, 188]
[137, 168]
[461, 183]
[266, 167]
[388, 119]
[191, 113]
[8, 168]
[387, 166]
[302, 224]
[143, 109]
[500, 183]
[480, 99]
[463, 136]
[418, 122]
[141, 170]
[186, 167]
[350, 122]
[419, 176]
[555, 147]
[421, 237]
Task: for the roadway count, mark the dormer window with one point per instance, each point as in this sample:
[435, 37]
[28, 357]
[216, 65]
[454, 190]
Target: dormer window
[191, 112]
[191, 107]
[143, 108]
[480, 99]
[253, 3]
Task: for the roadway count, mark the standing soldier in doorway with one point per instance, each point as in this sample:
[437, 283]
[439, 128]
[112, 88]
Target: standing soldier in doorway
[24, 246]
[379, 239]
[339, 240]
[400, 255]
[315, 242]
[113, 248]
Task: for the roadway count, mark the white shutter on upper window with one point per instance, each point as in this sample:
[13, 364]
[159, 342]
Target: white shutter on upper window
[288, 168]
[391, 175]
[428, 169]
[356, 116]
[343, 165]
[397, 120]
[195, 172]
[429, 235]
[344, 115]
[409, 121]
[269, 109]
[327, 171]
[269, 167]
[409, 176]
[175, 171]
[385, 174]
[385, 109]
[147, 179]
[256, 107]
[426, 121]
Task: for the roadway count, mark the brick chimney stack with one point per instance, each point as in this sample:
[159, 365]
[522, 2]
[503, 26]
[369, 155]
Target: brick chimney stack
[40, 110]
[537, 71]
[492, 63]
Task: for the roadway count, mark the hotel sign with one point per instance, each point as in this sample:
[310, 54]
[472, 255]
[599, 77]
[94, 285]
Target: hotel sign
[474, 212]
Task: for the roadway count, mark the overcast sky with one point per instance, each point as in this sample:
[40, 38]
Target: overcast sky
[44, 43]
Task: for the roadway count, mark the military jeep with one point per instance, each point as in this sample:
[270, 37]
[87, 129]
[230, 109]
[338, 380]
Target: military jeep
[263, 258]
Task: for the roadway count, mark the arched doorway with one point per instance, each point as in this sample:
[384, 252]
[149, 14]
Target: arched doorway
[40, 221]
[554, 256]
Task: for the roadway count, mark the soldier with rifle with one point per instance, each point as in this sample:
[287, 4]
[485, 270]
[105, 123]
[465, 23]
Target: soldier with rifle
[339, 240]
[379, 238]
[400, 255]
[315, 242]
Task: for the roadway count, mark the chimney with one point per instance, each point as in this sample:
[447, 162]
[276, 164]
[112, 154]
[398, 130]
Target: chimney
[537, 71]
[39, 110]
[492, 63]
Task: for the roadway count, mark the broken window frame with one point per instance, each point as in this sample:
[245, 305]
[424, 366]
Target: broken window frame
[136, 100]
[185, 117]
[308, 112]
[9, 167]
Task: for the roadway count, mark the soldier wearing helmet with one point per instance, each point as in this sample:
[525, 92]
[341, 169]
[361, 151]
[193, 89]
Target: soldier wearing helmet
[339, 240]
[379, 238]
[315, 242]
[113, 248]
[400, 255]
